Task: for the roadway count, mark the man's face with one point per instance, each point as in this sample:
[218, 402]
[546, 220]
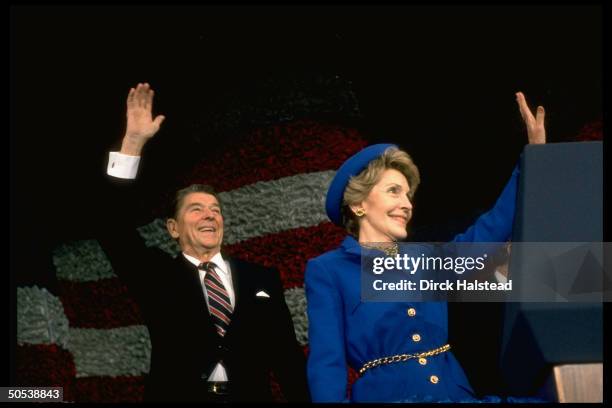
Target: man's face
[198, 225]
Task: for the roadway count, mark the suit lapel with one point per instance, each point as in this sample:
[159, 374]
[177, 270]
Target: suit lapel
[191, 274]
[234, 270]
[240, 282]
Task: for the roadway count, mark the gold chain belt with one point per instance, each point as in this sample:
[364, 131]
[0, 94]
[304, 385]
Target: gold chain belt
[402, 357]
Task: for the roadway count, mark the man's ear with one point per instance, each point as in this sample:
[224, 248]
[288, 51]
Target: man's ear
[171, 226]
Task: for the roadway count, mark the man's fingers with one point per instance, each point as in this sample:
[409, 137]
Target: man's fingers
[142, 95]
[138, 95]
[144, 100]
[149, 99]
[130, 98]
[140, 106]
[158, 120]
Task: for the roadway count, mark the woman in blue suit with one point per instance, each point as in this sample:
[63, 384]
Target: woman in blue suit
[371, 197]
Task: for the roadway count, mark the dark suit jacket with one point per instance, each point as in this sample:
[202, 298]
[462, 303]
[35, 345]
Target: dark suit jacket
[185, 346]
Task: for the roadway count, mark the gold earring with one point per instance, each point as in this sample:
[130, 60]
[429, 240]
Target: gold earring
[360, 212]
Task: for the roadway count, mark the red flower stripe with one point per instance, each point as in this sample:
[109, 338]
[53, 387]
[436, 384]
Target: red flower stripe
[110, 389]
[277, 394]
[278, 151]
[591, 131]
[45, 365]
[102, 304]
[288, 251]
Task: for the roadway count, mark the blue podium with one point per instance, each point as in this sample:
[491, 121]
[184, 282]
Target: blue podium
[560, 200]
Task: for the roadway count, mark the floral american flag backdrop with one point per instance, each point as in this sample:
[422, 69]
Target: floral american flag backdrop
[90, 338]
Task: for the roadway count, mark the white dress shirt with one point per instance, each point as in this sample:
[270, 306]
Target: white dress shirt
[223, 270]
[126, 167]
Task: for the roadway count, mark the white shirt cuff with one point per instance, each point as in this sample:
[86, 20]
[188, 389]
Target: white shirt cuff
[122, 166]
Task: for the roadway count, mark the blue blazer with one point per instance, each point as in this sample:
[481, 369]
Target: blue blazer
[344, 330]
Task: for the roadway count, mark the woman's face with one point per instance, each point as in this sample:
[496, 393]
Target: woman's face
[387, 209]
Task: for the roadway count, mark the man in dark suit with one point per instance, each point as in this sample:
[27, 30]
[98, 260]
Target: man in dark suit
[218, 326]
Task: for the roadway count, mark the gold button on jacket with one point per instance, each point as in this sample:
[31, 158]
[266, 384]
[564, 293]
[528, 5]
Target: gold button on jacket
[416, 337]
[434, 379]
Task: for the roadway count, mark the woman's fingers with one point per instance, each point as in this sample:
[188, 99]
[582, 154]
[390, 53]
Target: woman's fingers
[540, 116]
[536, 132]
[524, 107]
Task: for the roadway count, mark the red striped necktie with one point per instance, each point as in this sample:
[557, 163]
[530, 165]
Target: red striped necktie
[219, 304]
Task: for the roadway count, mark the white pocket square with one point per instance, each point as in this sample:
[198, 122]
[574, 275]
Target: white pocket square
[261, 293]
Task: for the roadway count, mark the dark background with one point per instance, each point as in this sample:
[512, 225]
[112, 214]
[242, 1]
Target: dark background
[438, 80]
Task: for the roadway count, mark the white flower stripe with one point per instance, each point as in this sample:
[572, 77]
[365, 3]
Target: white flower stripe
[109, 352]
[40, 317]
[281, 205]
[296, 302]
[155, 234]
[82, 261]
[124, 351]
[96, 352]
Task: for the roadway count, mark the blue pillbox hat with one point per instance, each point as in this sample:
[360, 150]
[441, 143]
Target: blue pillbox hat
[351, 167]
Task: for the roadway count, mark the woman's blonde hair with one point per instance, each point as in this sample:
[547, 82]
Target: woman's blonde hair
[359, 186]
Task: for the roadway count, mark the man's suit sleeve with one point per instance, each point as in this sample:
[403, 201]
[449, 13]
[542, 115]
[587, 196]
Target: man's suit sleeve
[496, 224]
[119, 238]
[326, 368]
[289, 361]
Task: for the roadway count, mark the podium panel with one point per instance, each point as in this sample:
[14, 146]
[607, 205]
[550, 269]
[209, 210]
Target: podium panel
[560, 200]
